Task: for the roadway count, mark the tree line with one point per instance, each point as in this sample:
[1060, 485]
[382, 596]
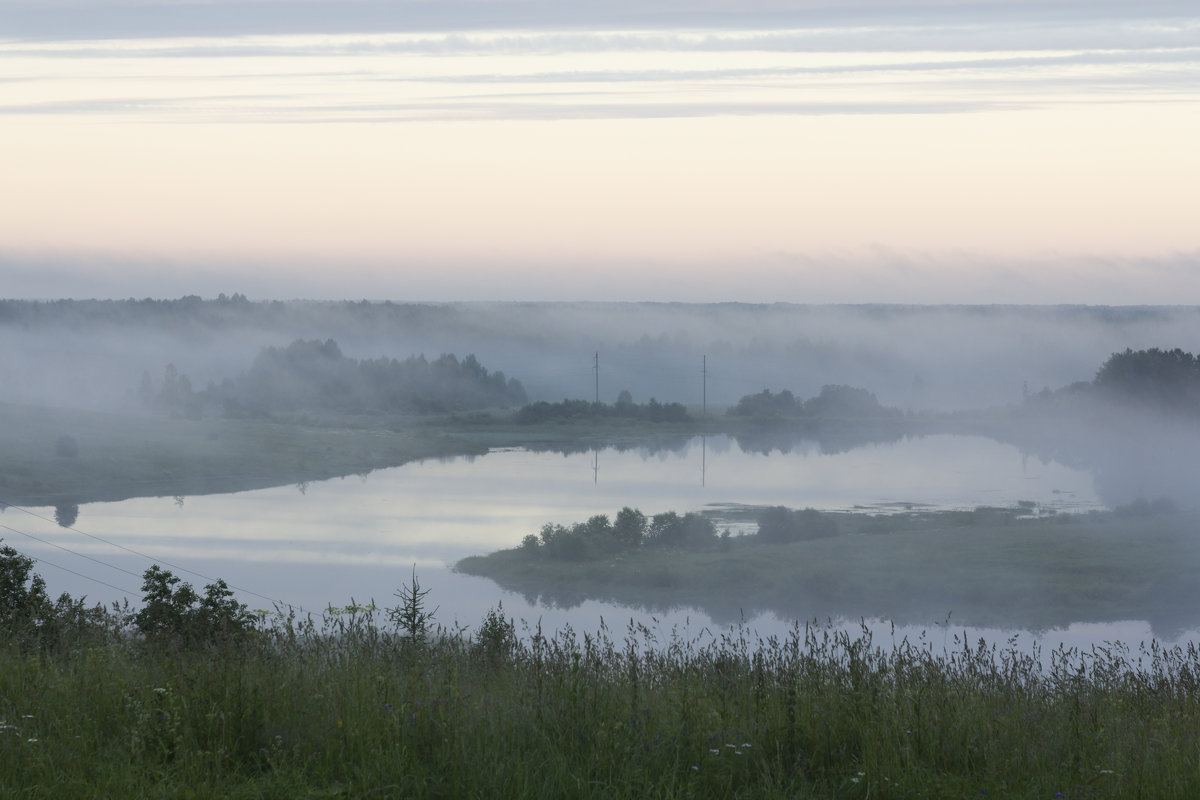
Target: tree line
[314, 375]
[624, 408]
[1158, 380]
[834, 401]
[632, 530]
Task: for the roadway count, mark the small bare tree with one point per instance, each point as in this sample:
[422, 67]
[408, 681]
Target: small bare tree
[411, 616]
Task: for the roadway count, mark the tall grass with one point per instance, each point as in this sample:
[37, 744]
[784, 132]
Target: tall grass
[345, 706]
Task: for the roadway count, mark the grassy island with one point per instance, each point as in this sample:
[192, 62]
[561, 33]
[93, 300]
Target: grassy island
[1004, 567]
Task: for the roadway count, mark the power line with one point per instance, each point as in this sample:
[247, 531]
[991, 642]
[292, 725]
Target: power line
[80, 575]
[130, 550]
[69, 550]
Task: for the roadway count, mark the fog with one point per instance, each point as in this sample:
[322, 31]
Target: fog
[952, 378]
[919, 358]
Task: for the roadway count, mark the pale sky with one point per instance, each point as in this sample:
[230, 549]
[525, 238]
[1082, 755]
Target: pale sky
[880, 152]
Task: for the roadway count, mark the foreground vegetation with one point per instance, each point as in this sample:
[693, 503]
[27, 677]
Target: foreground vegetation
[364, 702]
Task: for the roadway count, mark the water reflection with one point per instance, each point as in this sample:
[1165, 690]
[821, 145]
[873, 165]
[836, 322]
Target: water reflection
[360, 536]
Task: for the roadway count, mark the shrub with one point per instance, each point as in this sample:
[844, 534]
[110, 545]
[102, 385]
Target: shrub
[780, 524]
[496, 637]
[692, 530]
[174, 610]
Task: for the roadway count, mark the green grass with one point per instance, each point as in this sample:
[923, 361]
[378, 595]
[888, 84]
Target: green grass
[343, 707]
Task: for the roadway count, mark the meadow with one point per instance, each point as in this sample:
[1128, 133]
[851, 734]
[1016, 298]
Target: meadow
[373, 703]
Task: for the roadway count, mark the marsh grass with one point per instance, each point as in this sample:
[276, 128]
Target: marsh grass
[342, 705]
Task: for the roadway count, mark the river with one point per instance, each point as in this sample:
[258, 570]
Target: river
[361, 537]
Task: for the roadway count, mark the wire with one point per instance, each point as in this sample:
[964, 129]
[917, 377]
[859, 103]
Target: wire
[130, 550]
[81, 575]
[69, 550]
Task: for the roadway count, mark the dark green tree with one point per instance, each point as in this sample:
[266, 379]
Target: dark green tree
[172, 609]
[24, 605]
[1168, 379]
[630, 526]
[779, 524]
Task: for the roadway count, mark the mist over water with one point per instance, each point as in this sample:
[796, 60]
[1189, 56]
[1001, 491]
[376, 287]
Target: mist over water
[325, 542]
[912, 357]
[359, 536]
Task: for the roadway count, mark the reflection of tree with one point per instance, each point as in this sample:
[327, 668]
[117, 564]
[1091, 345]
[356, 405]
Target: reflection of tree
[830, 439]
[66, 514]
[1130, 455]
[677, 445]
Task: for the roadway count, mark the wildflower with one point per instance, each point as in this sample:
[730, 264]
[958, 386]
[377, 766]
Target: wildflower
[695, 766]
[339, 723]
[715, 752]
[31, 740]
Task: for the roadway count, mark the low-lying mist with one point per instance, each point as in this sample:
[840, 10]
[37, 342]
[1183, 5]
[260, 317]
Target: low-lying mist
[93, 353]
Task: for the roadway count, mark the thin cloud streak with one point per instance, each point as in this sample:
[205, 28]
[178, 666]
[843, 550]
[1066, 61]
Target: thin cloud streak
[1093, 36]
[557, 164]
[875, 275]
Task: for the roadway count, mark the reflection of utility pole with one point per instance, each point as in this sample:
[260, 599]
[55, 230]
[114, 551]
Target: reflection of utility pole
[595, 466]
[596, 369]
[704, 372]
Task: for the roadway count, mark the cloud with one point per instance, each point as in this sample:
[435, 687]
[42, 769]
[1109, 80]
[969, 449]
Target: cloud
[335, 79]
[101, 19]
[853, 275]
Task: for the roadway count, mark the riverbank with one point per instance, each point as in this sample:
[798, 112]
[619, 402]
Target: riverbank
[58, 456]
[55, 456]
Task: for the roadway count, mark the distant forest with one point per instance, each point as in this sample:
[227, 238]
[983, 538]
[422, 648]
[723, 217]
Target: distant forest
[92, 353]
[624, 408]
[1163, 381]
[311, 375]
[847, 402]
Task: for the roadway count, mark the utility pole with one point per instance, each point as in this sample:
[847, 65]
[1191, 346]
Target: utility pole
[596, 369]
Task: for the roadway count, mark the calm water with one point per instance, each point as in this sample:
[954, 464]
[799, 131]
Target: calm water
[360, 537]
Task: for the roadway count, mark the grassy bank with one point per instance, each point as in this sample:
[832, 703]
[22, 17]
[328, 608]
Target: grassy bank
[346, 707]
[110, 456]
[989, 567]
[115, 456]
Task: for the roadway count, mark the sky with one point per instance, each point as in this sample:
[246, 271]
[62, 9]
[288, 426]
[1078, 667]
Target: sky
[763, 150]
